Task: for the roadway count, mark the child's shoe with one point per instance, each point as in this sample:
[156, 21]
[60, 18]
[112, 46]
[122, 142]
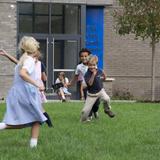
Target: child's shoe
[33, 143]
[109, 113]
[63, 100]
[2, 126]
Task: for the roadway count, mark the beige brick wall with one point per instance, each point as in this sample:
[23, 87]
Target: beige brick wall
[129, 61]
[8, 42]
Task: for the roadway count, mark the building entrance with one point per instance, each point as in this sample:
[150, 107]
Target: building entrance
[59, 54]
[58, 29]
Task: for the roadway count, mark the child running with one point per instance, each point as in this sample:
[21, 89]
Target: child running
[40, 76]
[80, 71]
[23, 106]
[93, 79]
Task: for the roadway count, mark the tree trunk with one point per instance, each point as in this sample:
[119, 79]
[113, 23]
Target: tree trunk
[153, 72]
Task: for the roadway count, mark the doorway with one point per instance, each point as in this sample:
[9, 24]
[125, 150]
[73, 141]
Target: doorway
[59, 54]
[60, 30]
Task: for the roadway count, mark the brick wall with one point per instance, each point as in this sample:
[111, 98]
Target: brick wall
[7, 42]
[129, 61]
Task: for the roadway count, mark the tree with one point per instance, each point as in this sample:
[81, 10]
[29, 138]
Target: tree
[142, 18]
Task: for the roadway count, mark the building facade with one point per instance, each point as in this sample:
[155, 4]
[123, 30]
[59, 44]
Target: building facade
[63, 28]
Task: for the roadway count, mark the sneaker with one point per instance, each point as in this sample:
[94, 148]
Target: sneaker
[87, 120]
[110, 113]
[48, 121]
[63, 100]
[82, 98]
[90, 118]
[3, 126]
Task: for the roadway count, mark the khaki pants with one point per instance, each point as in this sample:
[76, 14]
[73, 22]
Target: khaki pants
[91, 99]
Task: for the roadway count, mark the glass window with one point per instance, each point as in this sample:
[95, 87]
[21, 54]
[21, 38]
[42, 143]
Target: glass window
[25, 24]
[57, 24]
[57, 9]
[57, 18]
[25, 8]
[71, 14]
[65, 19]
[41, 8]
[34, 18]
[65, 54]
[41, 24]
[41, 18]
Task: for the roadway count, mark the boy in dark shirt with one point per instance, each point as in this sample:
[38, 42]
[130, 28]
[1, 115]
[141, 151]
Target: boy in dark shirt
[94, 79]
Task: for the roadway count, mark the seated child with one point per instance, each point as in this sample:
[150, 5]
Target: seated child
[63, 91]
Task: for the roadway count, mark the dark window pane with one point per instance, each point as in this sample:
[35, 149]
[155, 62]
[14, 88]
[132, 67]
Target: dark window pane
[57, 24]
[25, 8]
[57, 9]
[25, 24]
[65, 19]
[41, 24]
[65, 56]
[43, 49]
[41, 8]
[72, 19]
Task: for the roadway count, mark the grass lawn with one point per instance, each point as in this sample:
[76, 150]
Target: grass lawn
[134, 134]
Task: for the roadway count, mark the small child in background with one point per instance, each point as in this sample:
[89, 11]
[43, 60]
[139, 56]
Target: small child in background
[63, 91]
[41, 77]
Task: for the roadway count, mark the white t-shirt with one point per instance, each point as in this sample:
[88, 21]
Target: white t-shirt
[58, 80]
[80, 72]
[29, 64]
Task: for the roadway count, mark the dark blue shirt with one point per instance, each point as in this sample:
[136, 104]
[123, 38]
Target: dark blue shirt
[43, 68]
[97, 83]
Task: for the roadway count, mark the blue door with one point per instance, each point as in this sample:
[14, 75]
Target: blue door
[94, 32]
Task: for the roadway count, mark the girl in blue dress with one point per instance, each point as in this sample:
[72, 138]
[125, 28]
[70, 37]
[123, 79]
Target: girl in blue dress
[23, 105]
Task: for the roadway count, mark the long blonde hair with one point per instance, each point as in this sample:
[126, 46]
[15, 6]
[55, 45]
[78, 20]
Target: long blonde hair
[28, 45]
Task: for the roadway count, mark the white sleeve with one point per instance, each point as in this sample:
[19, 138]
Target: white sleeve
[57, 80]
[77, 70]
[66, 80]
[29, 65]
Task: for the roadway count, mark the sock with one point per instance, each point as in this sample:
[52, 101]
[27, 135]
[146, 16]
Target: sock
[63, 97]
[33, 142]
[48, 121]
[2, 126]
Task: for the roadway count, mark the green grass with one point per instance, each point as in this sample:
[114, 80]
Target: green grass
[134, 134]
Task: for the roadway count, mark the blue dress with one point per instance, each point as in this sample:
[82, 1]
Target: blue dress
[23, 104]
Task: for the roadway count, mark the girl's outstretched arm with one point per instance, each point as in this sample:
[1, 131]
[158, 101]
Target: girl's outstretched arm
[11, 58]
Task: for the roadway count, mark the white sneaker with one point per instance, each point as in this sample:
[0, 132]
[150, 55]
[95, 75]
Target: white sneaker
[90, 118]
[2, 126]
[33, 143]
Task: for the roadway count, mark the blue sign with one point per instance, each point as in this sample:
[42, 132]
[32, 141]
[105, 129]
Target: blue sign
[94, 32]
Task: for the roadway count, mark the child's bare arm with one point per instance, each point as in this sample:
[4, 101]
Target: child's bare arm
[73, 80]
[44, 76]
[91, 80]
[103, 77]
[11, 58]
[24, 74]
